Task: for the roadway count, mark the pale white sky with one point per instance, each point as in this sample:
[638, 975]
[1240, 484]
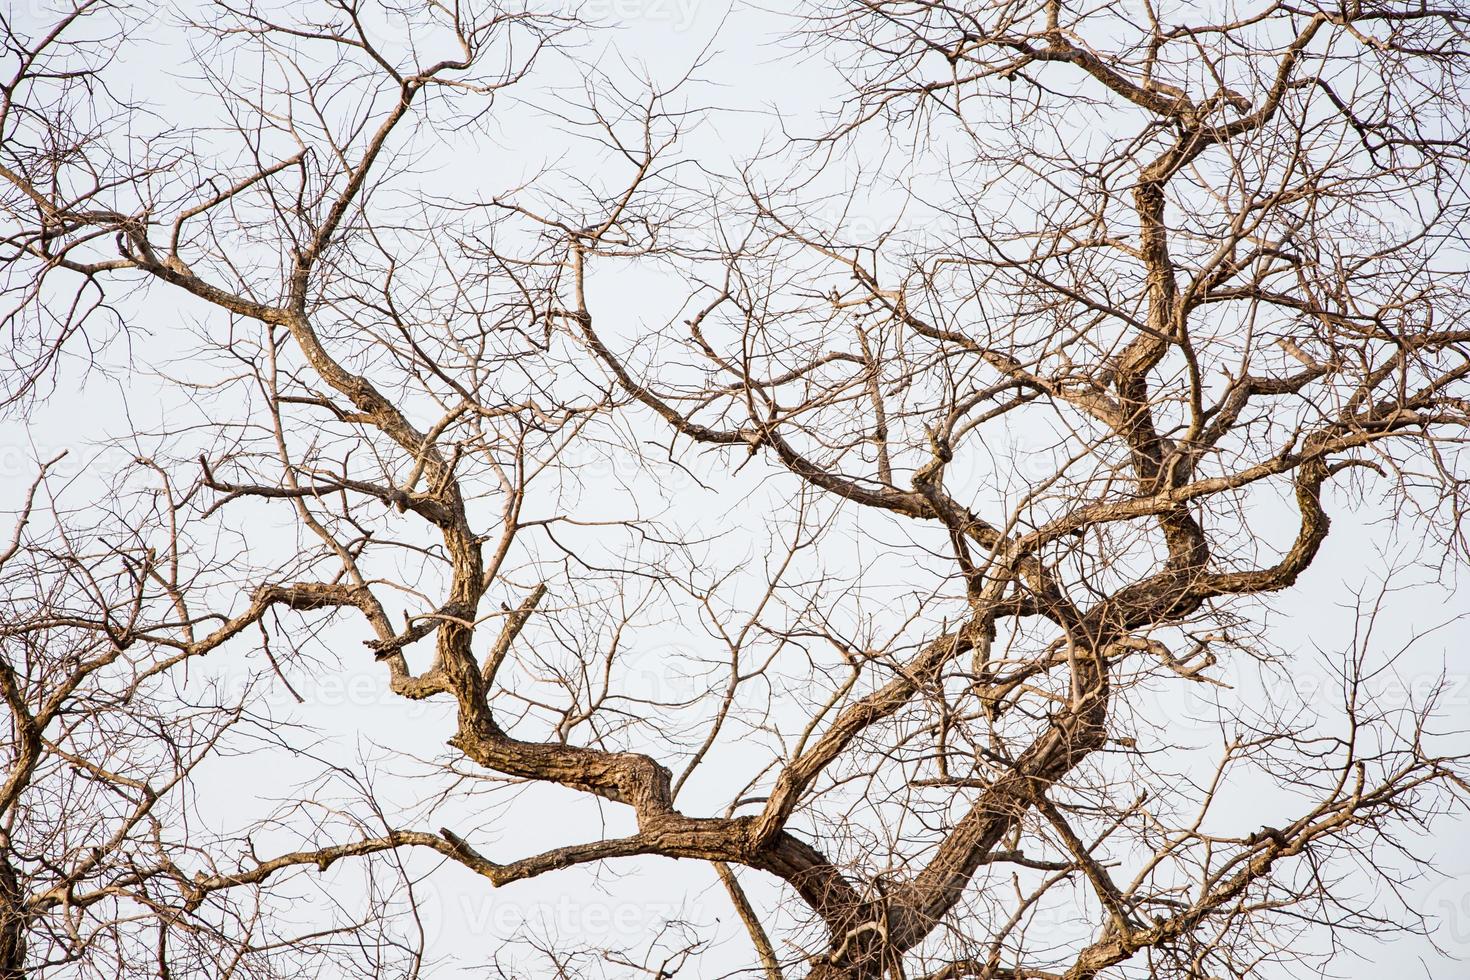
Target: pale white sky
[751, 72]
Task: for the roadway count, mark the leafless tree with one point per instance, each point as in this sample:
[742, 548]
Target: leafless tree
[1151, 295]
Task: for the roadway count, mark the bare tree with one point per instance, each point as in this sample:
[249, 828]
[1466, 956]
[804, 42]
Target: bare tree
[1154, 294]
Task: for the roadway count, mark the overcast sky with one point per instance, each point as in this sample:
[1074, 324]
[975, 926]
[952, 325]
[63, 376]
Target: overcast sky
[763, 86]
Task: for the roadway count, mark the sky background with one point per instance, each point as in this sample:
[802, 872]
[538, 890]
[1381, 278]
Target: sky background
[754, 74]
